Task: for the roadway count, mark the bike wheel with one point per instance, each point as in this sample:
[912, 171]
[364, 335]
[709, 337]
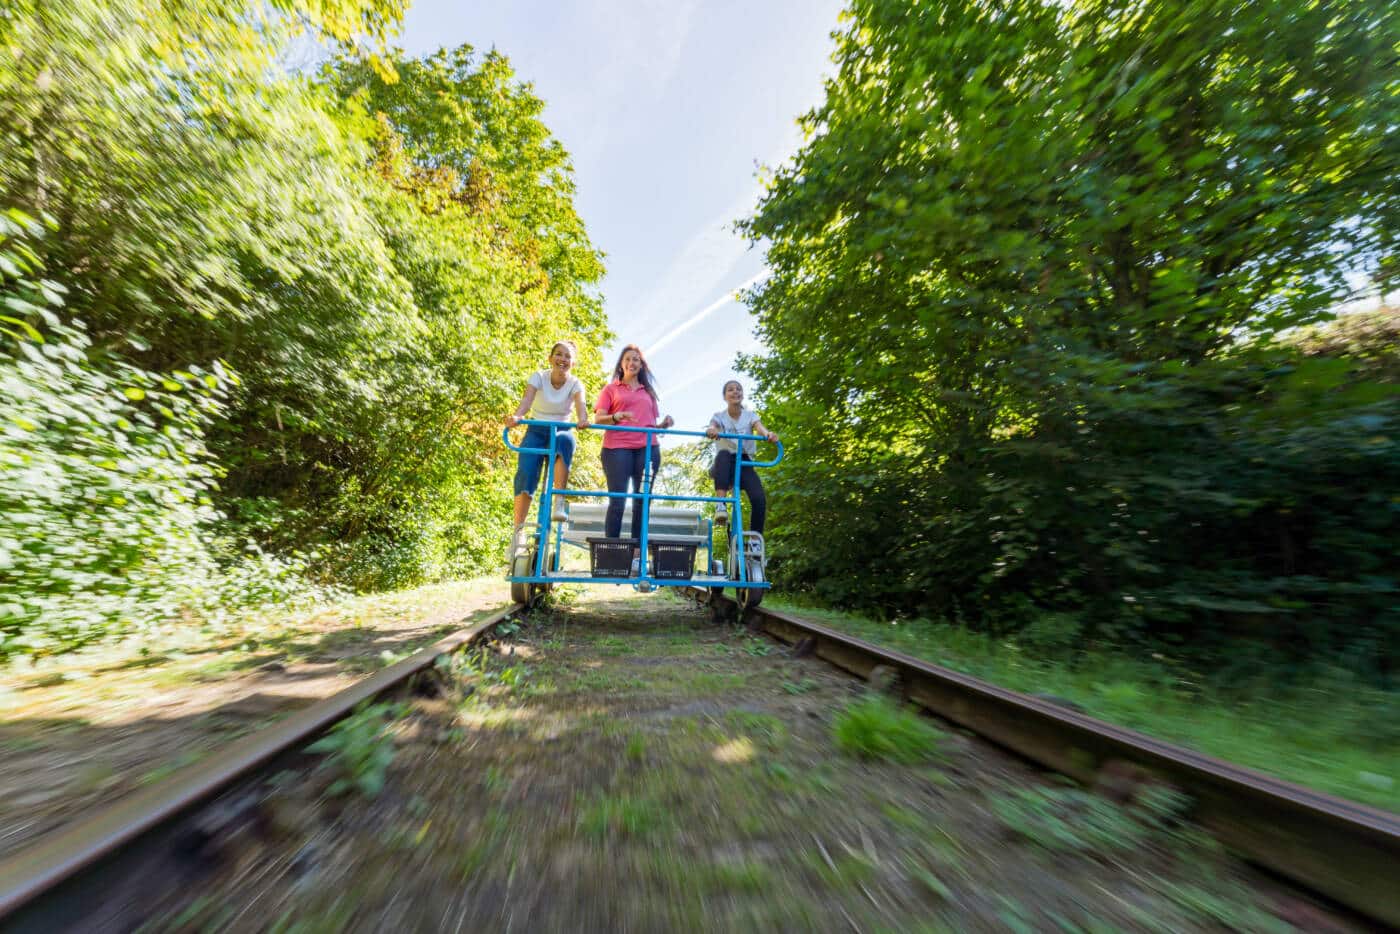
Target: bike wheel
[521, 592]
[752, 596]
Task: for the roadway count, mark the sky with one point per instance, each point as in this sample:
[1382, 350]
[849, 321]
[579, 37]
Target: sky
[668, 108]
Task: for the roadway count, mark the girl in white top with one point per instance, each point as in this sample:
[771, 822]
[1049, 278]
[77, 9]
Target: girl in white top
[734, 419]
[550, 393]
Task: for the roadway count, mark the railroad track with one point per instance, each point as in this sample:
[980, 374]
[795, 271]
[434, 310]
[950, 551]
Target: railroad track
[1346, 852]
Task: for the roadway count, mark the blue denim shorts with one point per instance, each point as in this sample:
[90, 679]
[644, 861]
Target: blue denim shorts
[527, 471]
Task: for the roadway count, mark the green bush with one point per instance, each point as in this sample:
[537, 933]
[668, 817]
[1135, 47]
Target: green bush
[106, 522]
[104, 480]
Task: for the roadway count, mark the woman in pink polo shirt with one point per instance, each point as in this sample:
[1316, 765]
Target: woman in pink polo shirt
[630, 399]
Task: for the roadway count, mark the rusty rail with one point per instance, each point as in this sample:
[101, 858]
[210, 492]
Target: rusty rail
[1345, 851]
[38, 869]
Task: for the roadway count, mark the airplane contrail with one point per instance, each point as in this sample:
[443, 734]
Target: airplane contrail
[705, 312]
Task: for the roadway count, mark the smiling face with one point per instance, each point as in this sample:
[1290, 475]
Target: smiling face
[734, 392]
[561, 357]
[631, 364]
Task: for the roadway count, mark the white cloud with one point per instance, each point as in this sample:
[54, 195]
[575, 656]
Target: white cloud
[703, 313]
[641, 51]
[707, 258]
[724, 365]
[697, 268]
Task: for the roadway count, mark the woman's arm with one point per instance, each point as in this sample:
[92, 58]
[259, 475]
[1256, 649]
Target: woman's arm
[526, 401]
[605, 401]
[713, 429]
[581, 407]
[760, 429]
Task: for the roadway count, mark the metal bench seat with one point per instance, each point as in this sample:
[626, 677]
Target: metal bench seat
[586, 521]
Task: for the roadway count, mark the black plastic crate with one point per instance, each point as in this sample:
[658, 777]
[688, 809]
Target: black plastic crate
[611, 557]
[670, 559]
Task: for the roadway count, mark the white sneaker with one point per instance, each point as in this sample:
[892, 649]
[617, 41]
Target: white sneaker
[561, 509]
[517, 544]
[636, 567]
[722, 514]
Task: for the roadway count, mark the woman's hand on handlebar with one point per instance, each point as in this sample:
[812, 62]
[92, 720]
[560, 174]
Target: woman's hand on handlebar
[512, 421]
[666, 422]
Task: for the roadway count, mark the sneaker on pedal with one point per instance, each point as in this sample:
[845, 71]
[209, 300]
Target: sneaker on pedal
[517, 544]
[721, 514]
[561, 510]
[636, 567]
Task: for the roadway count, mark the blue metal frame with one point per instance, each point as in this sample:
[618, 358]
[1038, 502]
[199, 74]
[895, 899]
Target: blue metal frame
[645, 497]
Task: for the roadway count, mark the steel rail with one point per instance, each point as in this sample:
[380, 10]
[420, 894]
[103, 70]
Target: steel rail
[38, 869]
[1343, 850]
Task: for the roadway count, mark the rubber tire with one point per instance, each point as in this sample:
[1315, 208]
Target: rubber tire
[750, 597]
[521, 592]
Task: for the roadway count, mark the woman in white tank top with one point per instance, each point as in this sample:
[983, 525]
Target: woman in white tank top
[549, 394]
[736, 420]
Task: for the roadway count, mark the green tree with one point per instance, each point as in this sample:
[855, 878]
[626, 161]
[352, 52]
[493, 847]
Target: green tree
[470, 123]
[457, 149]
[1043, 248]
[366, 305]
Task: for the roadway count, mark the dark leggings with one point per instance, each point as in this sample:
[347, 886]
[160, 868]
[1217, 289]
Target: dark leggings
[623, 466]
[723, 474]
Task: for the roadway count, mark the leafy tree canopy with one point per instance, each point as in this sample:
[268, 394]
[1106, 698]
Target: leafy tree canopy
[1043, 248]
[314, 296]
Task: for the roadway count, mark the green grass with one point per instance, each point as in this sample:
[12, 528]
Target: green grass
[761, 727]
[615, 645]
[746, 876]
[1070, 820]
[615, 815]
[845, 870]
[1329, 733]
[713, 682]
[874, 728]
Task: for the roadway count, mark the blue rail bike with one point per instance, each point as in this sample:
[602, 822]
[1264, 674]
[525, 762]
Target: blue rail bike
[673, 533]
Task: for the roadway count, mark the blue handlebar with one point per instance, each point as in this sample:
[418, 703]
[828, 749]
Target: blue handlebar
[505, 435]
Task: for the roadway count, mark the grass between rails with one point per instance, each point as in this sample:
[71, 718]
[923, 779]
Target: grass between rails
[1329, 732]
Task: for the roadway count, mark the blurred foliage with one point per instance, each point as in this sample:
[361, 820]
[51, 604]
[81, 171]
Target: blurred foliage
[359, 750]
[1056, 257]
[106, 483]
[1071, 820]
[326, 290]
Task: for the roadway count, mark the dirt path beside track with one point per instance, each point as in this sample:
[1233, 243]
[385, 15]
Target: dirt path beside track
[81, 731]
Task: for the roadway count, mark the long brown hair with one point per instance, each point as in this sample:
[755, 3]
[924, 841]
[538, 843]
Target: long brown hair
[643, 375]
